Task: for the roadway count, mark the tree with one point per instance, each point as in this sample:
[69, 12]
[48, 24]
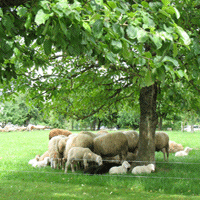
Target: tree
[101, 53]
[17, 112]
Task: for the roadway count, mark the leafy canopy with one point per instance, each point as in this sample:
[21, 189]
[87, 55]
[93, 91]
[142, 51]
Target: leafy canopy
[65, 51]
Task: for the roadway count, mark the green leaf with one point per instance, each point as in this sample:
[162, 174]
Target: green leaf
[86, 26]
[47, 46]
[145, 4]
[157, 41]
[148, 79]
[166, 2]
[28, 21]
[117, 45]
[164, 13]
[180, 73]
[7, 22]
[112, 4]
[184, 36]
[63, 27]
[177, 13]
[132, 32]
[168, 29]
[118, 29]
[41, 17]
[170, 59]
[1, 12]
[97, 28]
[100, 2]
[21, 11]
[142, 36]
[111, 57]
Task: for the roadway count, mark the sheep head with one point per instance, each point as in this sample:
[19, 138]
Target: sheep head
[187, 149]
[151, 167]
[126, 164]
[99, 160]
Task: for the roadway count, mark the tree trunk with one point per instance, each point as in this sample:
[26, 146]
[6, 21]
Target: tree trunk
[99, 124]
[148, 122]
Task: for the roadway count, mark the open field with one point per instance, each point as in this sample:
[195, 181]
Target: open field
[177, 179]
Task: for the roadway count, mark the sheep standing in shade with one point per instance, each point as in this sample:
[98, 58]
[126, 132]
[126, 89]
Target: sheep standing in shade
[143, 169]
[183, 153]
[80, 154]
[120, 169]
[111, 144]
[78, 140]
[133, 139]
[54, 153]
[162, 143]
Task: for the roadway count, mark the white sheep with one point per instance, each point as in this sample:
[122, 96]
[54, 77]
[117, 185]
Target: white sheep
[77, 154]
[184, 152]
[35, 160]
[120, 169]
[42, 163]
[54, 149]
[143, 169]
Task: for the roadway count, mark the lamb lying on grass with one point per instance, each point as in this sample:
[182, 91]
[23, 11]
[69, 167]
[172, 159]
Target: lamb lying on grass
[144, 169]
[120, 169]
[77, 154]
[42, 163]
[185, 152]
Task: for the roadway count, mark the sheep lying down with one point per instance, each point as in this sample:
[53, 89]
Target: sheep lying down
[36, 163]
[185, 152]
[77, 154]
[120, 169]
[144, 169]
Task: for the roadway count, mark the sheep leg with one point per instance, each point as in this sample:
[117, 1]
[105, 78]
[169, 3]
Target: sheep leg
[85, 163]
[72, 166]
[63, 163]
[59, 163]
[163, 150]
[66, 166]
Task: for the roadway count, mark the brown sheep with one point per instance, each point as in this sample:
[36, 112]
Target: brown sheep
[162, 143]
[56, 131]
[111, 144]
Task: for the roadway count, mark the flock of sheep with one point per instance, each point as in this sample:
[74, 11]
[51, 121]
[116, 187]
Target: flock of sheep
[98, 153]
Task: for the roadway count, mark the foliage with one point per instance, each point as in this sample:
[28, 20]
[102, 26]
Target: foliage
[115, 46]
[19, 112]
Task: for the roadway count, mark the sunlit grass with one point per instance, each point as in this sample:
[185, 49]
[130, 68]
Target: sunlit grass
[176, 179]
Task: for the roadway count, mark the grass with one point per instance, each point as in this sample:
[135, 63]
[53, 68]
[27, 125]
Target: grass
[176, 179]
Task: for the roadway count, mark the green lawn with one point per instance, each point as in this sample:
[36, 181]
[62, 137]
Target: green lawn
[177, 179]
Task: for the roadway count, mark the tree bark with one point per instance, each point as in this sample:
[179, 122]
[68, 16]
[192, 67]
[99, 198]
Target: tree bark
[148, 122]
[99, 124]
